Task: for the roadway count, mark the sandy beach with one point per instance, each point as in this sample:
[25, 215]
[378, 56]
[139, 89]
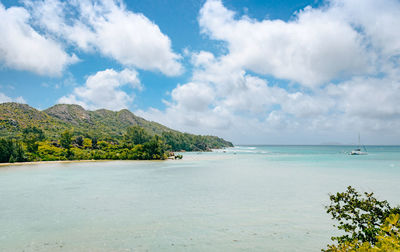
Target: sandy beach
[73, 161]
[50, 162]
[187, 156]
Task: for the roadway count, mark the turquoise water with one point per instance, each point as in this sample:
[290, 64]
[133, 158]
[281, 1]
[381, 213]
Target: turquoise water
[248, 198]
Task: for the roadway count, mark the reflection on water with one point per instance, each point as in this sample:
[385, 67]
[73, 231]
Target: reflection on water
[258, 198]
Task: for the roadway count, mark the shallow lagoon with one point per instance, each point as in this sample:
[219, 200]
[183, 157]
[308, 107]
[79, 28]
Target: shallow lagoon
[258, 198]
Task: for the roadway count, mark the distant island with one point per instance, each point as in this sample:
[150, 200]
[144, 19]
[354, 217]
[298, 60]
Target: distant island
[69, 132]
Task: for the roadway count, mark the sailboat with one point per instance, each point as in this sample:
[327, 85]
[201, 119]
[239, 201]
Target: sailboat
[358, 151]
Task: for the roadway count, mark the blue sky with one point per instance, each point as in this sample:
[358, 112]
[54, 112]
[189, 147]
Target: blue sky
[273, 72]
[176, 19]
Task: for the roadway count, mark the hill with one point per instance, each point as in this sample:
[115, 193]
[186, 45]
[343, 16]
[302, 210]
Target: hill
[102, 124]
[15, 117]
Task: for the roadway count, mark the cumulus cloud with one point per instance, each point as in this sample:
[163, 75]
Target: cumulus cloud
[23, 48]
[105, 90]
[193, 96]
[378, 21]
[372, 98]
[313, 48]
[5, 98]
[339, 66]
[108, 27]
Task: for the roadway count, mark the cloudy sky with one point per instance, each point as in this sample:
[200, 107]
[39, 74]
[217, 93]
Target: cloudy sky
[253, 72]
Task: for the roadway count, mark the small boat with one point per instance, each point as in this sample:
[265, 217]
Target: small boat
[358, 151]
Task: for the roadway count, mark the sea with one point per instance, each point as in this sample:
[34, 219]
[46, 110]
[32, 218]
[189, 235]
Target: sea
[246, 198]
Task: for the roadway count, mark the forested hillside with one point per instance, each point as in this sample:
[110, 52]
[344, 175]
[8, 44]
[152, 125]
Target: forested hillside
[71, 132]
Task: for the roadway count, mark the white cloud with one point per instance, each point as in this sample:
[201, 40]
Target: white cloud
[371, 98]
[378, 20]
[23, 48]
[5, 98]
[313, 48]
[193, 96]
[104, 90]
[344, 56]
[108, 27]
[202, 59]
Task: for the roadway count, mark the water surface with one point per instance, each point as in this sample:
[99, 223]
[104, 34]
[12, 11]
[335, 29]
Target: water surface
[258, 198]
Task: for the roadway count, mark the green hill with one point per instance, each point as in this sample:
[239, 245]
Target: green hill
[102, 124]
[15, 117]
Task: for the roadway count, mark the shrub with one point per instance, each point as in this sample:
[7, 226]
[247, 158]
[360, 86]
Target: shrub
[362, 217]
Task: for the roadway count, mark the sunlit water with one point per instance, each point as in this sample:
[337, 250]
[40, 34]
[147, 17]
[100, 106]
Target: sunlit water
[248, 198]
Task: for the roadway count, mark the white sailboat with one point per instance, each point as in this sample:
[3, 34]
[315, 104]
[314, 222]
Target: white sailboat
[358, 151]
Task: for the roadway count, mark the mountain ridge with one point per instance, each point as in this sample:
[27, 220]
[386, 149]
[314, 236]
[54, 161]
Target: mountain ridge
[102, 123]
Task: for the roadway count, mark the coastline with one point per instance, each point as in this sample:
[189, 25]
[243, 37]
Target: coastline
[50, 162]
[72, 161]
[193, 156]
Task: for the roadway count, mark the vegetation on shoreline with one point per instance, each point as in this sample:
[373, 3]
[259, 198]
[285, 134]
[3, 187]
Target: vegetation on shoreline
[68, 132]
[369, 224]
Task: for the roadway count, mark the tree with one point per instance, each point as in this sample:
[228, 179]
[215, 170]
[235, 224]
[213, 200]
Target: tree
[94, 143]
[66, 139]
[155, 148]
[31, 136]
[79, 141]
[136, 135]
[360, 216]
[11, 151]
[87, 143]
[49, 152]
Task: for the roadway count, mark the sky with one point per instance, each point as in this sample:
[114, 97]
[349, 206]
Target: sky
[250, 71]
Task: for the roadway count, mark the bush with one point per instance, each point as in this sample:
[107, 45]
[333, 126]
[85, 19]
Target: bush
[48, 152]
[11, 151]
[66, 139]
[361, 216]
[31, 136]
[388, 239]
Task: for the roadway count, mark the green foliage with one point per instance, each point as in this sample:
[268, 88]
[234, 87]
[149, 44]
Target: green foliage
[11, 151]
[136, 135]
[155, 148]
[102, 145]
[15, 117]
[87, 143]
[78, 141]
[79, 154]
[100, 134]
[362, 217]
[94, 143]
[100, 125]
[49, 152]
[389, 234]
[66, 139]
[31, 136]
[388, 239]
[188, 142]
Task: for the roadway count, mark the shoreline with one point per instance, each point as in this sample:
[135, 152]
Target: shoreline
[50, 162]
[71, 161]
[191, 157]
